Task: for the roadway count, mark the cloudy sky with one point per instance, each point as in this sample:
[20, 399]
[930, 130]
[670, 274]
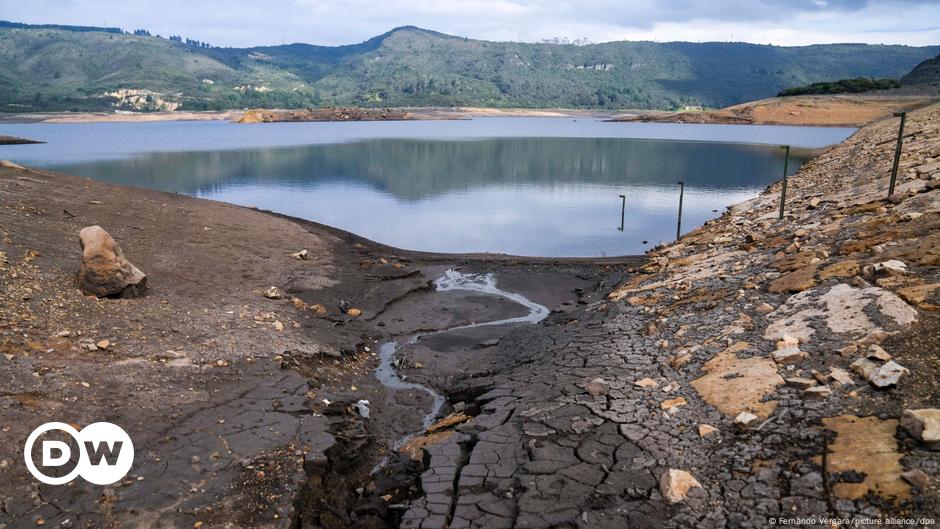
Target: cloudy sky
[331, 22]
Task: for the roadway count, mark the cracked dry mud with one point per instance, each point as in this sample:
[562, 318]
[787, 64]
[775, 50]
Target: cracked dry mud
[728, 355]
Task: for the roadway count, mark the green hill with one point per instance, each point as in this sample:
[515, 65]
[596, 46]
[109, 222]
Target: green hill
[926, 73]
[63, 68]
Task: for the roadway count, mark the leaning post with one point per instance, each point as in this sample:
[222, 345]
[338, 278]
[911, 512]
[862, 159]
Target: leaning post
[783, 190]
[897, 152]
[679, 220]
[623, 209]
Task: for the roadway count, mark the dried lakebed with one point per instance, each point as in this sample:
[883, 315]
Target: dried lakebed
[619, 409]
[451, 280]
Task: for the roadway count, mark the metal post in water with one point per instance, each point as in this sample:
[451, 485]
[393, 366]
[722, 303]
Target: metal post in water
[679, 221]
[897, 152]
[623, 209]
[783, 190]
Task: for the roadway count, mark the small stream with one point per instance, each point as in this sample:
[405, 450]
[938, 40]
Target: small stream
[451, 280]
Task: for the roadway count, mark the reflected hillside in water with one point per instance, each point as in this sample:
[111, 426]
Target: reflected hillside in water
[411, 169]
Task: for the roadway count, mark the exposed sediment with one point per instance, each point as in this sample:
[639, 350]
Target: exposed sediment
[552, 450]
[325, 114]
[812, 110]
[767, 361]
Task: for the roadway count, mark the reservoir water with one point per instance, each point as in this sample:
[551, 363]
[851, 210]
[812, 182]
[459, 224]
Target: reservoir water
[524, 186]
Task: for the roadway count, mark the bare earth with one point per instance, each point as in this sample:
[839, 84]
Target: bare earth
[241, 408]
[329, 114]
[829, 111]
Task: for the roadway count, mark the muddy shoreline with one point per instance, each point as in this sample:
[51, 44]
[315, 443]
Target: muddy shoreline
[337, 114]
[244, 408]
[312, 360]
[811, 110]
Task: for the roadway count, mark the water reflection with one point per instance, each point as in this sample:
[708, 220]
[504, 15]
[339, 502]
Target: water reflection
[529, 196]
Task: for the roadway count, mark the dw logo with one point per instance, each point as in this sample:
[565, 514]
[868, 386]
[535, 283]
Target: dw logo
[105, 453]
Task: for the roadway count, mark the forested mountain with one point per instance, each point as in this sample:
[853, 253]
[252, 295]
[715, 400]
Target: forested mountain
[81, 68]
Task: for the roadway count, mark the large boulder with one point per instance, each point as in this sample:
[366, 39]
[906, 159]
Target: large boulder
[105, 271]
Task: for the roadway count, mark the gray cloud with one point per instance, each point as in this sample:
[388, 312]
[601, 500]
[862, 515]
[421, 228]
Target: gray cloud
[247, 23]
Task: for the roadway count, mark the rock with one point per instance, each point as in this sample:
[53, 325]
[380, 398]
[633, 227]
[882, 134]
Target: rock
[670, 387]
[875, 352]
[883, 376]
[928, 168]
[787, 341]
[923, 425]
[888, 374]
[103, 344]
[890, 268]
[745, 420]
[817, 392]
[278, 326]
[733, 384]
[598, 387]
[917, 478]
[362, 408]
[800, 383]
[920, 295]
[354, 312]
[847, 268]
[675, 485]
[105, 271]
[273, 293]
[448, 422]
[298, 303]
[706, 430]
[813, 203]
[796, 281]
[646, 383]
[789, 356]
[764, 308]
[680, 359]
[673, 403]
[913, 215]
[63, 334]
[301, 255]
[841, 376]
[864, 367]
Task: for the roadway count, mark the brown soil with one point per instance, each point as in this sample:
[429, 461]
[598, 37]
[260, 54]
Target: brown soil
[194, 365]
[325, 114]
[831, 111]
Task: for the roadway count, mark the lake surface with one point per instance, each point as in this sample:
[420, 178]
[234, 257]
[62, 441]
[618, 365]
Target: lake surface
[524, 186]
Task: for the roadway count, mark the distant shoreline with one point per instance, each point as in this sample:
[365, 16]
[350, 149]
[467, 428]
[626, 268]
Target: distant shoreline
[812, 110]
[423, 113]
[843, 110]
